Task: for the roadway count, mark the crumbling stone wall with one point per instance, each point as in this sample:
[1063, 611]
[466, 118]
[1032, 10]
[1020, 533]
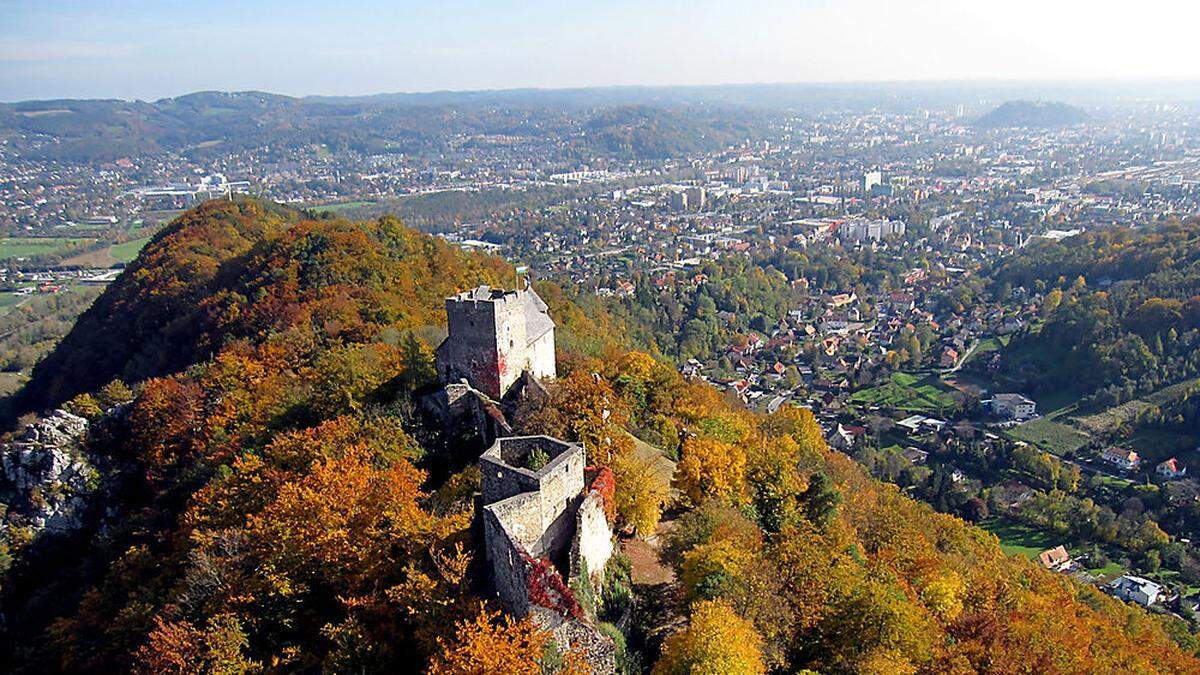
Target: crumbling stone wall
[545, 526]
[593, 539]
[506, 554]
[535, 520]
[582, 636]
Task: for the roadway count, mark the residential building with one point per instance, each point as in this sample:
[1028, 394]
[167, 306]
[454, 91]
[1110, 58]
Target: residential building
[1013, 406]
[1122, 458]
[1136, 589]
[1171, 469]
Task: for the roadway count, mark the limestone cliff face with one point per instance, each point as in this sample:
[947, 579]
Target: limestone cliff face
[46, 477]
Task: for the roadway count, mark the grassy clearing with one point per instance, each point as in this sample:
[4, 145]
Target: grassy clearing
[1019, 538]
[342, 206]
[127, 251]
[107, 257]
[1053, 437]
[1056, 403]
[11, 382]
[25, 247]
[8, 300]
[1108, 572]
[907, 392]
[1112, 484]
[1156, 445]
[988, 346]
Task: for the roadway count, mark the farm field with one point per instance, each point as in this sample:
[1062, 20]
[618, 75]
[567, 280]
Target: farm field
[10, 300]
[127, 251]
[107, 257]
[342, 206]
[1053, 437]
[24, 247]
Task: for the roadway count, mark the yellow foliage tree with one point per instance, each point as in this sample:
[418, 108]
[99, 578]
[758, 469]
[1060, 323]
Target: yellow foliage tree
[944, 595]
[717, 641]
[711, 469]
[711, 570]
[641, 491]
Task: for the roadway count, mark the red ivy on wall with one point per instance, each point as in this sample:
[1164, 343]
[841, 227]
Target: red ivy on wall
[546, 589]
[601, 480]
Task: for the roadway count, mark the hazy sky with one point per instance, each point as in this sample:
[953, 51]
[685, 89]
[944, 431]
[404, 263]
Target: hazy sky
[153, 48]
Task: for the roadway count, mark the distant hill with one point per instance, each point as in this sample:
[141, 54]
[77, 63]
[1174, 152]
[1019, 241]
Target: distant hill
[212, 123]
[655, 133]
[1032, 114]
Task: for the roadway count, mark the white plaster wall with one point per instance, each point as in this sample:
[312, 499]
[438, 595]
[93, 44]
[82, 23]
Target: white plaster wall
[541, 357]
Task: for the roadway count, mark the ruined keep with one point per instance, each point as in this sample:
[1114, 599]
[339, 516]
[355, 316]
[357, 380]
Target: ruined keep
[545, 518]
[494, 337]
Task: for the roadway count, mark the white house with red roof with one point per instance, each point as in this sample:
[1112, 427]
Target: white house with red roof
[1171, 469]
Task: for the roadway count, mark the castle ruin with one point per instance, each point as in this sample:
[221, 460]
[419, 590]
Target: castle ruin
[546, 518]
[494, 337]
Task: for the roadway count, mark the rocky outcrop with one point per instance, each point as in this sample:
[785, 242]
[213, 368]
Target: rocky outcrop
[45, 476]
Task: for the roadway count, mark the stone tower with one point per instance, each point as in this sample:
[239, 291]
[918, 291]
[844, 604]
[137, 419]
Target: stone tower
[494, 336]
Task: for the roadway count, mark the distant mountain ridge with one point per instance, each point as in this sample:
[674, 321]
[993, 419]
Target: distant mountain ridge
[1032, 114]
[211, 123]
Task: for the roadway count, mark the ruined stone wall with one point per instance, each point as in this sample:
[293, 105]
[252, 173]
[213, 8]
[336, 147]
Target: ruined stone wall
[573, 634]
[499, 480]
[535, 521]
[506, 556]
[557, 487]
[593, 539]
[560, 487]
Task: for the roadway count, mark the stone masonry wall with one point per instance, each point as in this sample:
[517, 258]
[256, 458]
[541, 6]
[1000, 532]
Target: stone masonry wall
[506, 553]
[510, 341]
[470, 349]
[593, 538]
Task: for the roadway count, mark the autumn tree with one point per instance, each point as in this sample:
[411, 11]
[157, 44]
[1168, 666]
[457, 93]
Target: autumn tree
[180, 647]
[642, 488]
[710, 468]
[715, 641]
[493, 643]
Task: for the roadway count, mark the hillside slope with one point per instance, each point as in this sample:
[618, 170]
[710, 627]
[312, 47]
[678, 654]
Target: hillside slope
[286, 510]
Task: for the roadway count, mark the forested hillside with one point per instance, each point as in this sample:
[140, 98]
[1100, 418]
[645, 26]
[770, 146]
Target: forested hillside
[284, 509]
[206, 124]
[1121, 308]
